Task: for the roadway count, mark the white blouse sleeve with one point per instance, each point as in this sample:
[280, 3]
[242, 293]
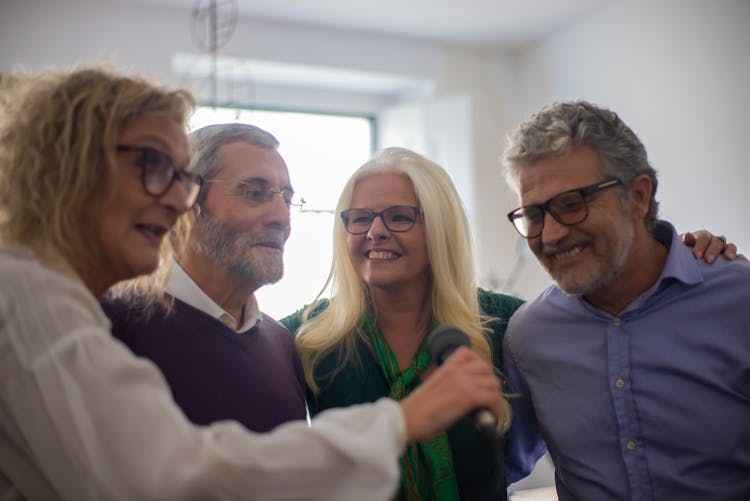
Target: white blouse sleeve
[93, 422]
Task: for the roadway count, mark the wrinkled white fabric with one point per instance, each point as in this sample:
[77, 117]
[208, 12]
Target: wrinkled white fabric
[81, 418]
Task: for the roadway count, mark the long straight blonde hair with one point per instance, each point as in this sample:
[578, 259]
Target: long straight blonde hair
[453, 290]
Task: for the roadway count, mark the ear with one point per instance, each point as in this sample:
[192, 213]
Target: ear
[641, 190]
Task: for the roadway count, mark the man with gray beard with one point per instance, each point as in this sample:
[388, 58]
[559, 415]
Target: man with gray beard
[635, 366]
[222, 357]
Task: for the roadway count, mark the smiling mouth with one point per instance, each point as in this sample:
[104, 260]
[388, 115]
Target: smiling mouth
[573, 251]
[382, 255]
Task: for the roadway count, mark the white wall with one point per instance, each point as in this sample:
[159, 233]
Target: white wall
[677, 72]
[43, 32]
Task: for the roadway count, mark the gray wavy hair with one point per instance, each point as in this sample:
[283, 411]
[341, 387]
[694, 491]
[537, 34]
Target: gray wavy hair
[206, 141]
[561, 127]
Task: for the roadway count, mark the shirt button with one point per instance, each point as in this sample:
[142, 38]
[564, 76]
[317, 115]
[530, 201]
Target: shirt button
[616, 321]
[631, 445]
[619, 383]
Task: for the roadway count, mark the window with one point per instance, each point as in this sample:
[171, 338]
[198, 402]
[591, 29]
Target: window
[321, 151]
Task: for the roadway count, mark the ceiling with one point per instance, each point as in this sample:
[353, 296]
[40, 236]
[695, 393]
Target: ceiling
[502, 24]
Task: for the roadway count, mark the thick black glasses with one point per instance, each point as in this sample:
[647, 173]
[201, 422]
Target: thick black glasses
[159, 173]
[568, 208]
[257, 196]
[397, 218]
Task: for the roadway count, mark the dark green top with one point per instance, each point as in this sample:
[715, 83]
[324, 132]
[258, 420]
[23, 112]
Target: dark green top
[478, 472]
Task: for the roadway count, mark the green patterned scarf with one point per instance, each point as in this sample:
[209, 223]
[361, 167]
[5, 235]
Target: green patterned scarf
[426, 468]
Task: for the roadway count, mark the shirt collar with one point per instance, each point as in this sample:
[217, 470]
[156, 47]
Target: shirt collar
[184, 288]
[680, 266]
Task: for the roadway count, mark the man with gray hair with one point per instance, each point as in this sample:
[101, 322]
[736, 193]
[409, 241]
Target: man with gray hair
[221, 356]
[634, 367]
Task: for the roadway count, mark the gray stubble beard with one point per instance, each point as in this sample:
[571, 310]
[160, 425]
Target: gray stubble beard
[232, 250]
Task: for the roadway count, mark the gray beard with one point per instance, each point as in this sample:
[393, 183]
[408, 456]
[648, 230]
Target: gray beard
[232, 250]
[607, 272]
[606, 276]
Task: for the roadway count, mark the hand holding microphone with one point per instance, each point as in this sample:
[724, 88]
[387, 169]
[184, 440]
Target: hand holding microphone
[462, 383]
[441, 343]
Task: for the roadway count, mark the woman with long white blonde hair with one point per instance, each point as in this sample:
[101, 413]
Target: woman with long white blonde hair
[402, 265]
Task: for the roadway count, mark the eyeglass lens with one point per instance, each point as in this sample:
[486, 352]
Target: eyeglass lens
[567, 208]
[259, 196]
[397, 218]
[159, 172]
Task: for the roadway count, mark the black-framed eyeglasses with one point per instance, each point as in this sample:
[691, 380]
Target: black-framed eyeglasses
[257, 196]
[159, 173]
[398, 218]
[568, 208]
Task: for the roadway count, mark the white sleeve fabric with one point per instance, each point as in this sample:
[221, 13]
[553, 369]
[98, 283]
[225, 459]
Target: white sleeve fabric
[81, 418]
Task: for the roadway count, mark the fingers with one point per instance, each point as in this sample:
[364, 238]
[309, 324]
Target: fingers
[688, 239]
[708, 246]
[719, 246]
[464, 363]
[730, 252]
[463, 383]
[699, 241]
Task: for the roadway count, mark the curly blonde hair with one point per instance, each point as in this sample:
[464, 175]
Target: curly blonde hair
[58, 132]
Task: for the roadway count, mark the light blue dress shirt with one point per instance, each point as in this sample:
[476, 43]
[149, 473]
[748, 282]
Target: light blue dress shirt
[652, 404]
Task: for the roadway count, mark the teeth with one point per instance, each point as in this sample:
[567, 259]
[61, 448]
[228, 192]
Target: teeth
[382, 255]
[569, 253]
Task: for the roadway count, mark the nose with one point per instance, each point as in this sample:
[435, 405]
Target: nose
[552, 232]
[175, 198]
[377, 230]
[277, 211]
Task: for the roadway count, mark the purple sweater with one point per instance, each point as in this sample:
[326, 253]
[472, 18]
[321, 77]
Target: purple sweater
[253, 377]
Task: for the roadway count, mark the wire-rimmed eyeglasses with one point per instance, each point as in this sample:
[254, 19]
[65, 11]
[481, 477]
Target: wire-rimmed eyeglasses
[398, 218]
[160, 172]
[568, 208]
[257, 196]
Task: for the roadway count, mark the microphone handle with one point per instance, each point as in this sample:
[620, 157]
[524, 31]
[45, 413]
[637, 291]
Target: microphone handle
[484, 418]
[486, 425]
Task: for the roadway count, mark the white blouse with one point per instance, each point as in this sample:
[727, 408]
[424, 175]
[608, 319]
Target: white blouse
[82, 418]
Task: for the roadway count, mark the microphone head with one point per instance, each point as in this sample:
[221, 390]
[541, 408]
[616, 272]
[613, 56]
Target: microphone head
[443, 340]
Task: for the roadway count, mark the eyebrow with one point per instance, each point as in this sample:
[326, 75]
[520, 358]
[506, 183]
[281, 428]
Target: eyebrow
[154, 140]
[157, 142]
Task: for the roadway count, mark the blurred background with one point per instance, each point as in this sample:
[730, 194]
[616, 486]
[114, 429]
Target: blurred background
[335, 80]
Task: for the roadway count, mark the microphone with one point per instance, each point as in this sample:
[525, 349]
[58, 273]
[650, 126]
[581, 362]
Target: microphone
[441, 343]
